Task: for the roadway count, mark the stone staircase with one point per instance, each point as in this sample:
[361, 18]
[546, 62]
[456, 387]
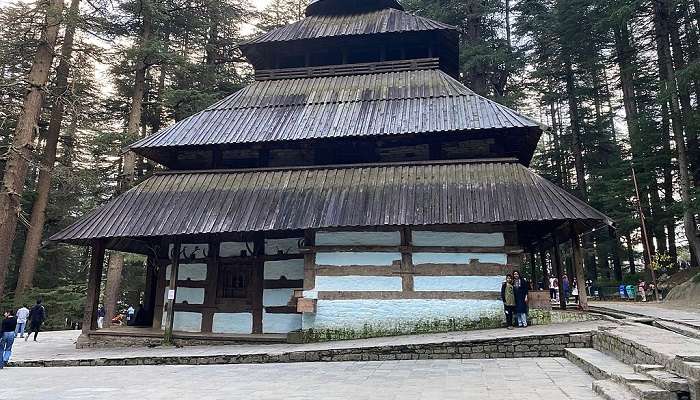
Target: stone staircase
[642, 362]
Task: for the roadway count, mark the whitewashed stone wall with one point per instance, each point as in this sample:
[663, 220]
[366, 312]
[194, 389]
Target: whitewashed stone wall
[362, 309]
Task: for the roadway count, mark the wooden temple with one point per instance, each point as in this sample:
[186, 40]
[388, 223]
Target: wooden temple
[356, 183]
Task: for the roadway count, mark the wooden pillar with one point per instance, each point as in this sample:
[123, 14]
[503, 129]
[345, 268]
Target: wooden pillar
[151, 280]
[258, 282]
[406, 261]
[172, 290]
[557, 266]
[533, 268]
[545, 272]
[160, 294]
[309, 260]
[97, 258]
[577, 259]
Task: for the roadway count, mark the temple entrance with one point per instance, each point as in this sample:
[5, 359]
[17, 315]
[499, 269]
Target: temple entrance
[234, 292]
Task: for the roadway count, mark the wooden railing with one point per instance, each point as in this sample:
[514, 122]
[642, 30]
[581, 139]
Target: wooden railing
[347, 69]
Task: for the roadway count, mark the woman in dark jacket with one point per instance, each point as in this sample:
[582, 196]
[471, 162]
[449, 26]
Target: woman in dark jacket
[508, 297]
[7, 337]
[520, 288]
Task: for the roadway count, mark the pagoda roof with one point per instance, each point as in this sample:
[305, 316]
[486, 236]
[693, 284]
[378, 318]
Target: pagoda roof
[366, 105]
[423, 193]
[387, 20]
[317, 7]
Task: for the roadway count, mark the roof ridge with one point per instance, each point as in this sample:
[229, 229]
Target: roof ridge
[273, 35]
[495, 160]
[459, 90]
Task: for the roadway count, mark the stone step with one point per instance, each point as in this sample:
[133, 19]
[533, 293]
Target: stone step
[663, 378]
[642, 368]
[611, 390]
[668, 381]
[650, 345]
[682, 329]
[604, 367]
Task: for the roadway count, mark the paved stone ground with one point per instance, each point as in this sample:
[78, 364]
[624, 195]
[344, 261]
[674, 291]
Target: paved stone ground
[60, 345]
[524, 378]
[653, 309]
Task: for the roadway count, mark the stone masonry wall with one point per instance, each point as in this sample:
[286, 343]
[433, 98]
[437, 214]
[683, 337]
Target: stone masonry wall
[526, 346]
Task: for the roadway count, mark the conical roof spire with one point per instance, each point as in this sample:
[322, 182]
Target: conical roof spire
[330, 7]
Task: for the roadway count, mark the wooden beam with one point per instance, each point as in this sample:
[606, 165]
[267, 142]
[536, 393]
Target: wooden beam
[97, 258]
[560, 275]
[408, 248]
[577, 259]
[396, 295]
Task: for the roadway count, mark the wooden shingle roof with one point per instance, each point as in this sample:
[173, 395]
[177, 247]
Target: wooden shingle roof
[393, 103]
[388, 20]
[428, 193]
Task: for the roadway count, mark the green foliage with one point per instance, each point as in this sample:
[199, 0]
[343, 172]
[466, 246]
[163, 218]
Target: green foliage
[63, 304]
[696, 278]
[494, 320]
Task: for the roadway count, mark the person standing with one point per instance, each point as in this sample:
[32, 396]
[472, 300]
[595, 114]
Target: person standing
[508, 298]
[574, 291]
[9, 324]
[520, 291]
[100, 316]
[565, 287]
[130, 316]
[22, 315]
[37, 316]
[553, 288]
[641, 289]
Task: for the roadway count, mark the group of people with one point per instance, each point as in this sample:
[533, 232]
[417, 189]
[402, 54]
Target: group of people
[15, 323]
[568, 289]
[514, 296]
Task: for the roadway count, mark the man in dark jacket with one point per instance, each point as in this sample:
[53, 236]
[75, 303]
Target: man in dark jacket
[520, 287]
[37, 316]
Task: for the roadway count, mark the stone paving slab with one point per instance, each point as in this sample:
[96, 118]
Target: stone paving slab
[653, 309]
[495, 379]
[57, 348]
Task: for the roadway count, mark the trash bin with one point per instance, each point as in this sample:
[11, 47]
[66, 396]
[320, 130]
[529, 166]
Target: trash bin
[623, 292]
[631, 292]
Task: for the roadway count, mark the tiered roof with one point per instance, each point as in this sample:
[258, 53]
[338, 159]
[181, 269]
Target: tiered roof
[388, 20]
[416, 98]
[430, 193]
[393, 103]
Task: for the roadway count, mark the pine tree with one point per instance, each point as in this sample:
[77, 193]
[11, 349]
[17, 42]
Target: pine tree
[20, 151]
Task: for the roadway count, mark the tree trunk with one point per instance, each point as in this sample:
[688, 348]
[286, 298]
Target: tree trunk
[661, 26]
[667, 185]
[679, 64]
[630, 253]
[36, 226]
[21, 149]
[132, 131]
[617, 265]
[576, 147]
[626, 55]
[136, 109]
[114, 279]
